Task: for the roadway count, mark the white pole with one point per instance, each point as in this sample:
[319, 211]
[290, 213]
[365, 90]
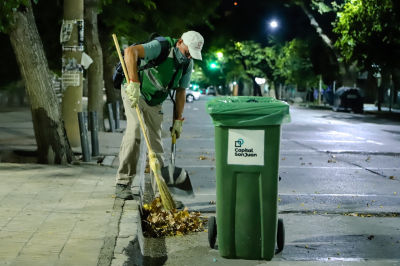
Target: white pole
[320, 89]
[334, 87]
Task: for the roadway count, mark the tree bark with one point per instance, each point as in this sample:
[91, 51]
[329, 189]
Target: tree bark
[95, 70]
[256, 88]
[51, 139]
[349, 73]
[109, 64]
[396, 84]
[382, 89]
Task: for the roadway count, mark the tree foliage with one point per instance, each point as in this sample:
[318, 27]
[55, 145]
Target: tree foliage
[369, 33]
[7, 8]
[292, 64]
[134, 20]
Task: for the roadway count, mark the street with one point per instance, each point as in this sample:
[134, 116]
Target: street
[339, 195]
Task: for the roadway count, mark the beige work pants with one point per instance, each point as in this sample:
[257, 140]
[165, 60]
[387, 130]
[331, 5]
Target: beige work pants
[129, 152]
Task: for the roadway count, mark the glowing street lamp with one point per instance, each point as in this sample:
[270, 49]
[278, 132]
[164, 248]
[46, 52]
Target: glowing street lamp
[260, 81]
[213, 65]
[220, 55]
[273, 24]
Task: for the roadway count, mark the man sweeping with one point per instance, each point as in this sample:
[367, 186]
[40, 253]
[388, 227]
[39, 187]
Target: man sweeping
[150, 91]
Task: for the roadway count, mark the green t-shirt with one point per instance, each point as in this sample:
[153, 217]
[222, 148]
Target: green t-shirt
[153, 49]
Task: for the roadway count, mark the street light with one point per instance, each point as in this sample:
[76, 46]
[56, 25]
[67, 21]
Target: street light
[220, 55]
[273, 24]
[213, 65]
[260, 81]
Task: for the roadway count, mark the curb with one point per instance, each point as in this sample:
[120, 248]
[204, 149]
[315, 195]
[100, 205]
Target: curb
[131, 247]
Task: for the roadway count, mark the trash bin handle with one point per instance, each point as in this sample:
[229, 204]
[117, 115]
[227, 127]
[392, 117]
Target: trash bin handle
[252, 101]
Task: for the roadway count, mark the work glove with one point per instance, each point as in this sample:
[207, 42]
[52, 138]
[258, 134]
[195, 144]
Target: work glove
[177, 128]
[133, 91]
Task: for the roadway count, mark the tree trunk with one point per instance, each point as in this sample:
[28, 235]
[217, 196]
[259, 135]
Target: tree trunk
[109, 65]
[256, 88]
[51, 139]
[396, 84]
[95, 70]
[382, 89]
[349, 77]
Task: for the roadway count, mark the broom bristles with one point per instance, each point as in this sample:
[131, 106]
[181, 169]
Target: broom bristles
[166, 197]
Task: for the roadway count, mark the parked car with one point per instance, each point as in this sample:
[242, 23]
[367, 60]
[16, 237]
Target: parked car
[192, 95]
[210, 91]
[347, 98]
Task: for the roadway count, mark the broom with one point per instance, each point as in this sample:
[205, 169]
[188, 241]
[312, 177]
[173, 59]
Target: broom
[155, 166]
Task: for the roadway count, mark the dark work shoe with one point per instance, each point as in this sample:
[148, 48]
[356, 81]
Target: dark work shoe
[123, 192]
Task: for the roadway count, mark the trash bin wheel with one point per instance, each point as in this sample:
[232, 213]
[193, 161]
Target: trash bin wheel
[212, 231]
[280, 238]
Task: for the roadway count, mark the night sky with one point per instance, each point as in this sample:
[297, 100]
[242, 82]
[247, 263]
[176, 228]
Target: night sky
[249, 20]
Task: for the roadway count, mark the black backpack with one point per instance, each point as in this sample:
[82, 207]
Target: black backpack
[119, 76]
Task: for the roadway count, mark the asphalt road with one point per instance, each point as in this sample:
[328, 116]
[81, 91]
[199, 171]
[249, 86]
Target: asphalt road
[337, 197]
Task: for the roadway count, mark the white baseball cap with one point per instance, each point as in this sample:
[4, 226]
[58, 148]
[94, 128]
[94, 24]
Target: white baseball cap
[194, 42]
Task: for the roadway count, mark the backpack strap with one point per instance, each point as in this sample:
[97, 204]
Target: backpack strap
[165, 48]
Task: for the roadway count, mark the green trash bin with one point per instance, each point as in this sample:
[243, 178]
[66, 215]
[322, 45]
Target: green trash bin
[247, 142]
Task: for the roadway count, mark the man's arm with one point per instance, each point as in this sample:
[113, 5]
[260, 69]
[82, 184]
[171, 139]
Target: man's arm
[131, 57]
[180, 99]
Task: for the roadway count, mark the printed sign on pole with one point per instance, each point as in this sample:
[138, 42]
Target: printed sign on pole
[246, 147]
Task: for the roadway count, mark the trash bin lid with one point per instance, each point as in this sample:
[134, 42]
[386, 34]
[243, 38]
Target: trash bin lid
[244, 111]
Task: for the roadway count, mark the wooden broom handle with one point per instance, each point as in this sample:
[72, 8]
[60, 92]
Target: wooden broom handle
[121, 59]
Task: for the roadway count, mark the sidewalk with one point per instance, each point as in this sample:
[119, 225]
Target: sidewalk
[368, 107]
[60, 215]
[56, 215]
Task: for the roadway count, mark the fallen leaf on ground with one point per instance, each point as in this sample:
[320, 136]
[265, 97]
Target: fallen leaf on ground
[393, 177]
[158, 223]
[212, 168]
[331, 161]
[368, 159]
[283, 159]
[302, 163]
[202, 158]
[370, 237]
[306, 247]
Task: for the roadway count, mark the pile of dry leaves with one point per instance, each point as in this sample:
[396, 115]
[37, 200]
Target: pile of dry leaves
[158, 223]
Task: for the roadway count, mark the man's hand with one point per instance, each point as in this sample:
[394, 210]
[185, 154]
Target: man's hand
[133, 91]
[177, 128]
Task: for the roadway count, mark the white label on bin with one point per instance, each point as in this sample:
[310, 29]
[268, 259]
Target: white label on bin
[246, 147]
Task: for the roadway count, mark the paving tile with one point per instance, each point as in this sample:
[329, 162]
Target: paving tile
[36, 259]
[6, 216]
[15, 236]
[10, 250]
[81, 251]
[26, 221]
